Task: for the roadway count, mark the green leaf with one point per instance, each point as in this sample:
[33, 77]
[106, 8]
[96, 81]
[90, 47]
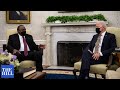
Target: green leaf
[75, 18]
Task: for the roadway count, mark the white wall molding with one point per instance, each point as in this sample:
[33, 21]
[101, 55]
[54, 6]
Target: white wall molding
[82, 23]
[36, 41]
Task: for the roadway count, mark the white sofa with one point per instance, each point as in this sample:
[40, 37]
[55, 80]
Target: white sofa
[111, 74]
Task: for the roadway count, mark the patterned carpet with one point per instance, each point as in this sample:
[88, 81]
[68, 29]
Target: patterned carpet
[65, 70]
[54, 72]
[59, 76]
[58, 72]
[62, 72]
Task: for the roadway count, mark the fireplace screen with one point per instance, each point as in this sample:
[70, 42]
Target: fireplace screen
[69, 52]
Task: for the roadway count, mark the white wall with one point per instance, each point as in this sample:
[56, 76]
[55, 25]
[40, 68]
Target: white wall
[39, 17]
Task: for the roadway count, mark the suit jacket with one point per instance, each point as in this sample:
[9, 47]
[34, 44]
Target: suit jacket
[14, 42]
[108, 44]
[14, 16]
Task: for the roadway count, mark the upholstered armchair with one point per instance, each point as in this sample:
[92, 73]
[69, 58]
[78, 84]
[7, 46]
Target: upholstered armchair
[101, 68]
[26, 63]
[113, 74]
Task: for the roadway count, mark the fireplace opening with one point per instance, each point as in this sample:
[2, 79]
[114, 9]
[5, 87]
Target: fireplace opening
[69, 52]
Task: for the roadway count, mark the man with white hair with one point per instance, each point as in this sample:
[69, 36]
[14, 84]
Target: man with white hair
[98, 50]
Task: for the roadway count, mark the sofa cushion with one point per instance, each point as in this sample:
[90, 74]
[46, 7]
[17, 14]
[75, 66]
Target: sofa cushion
[77, 65]
[111, 74]
[27, 64]
[115, 31]
[118, 70]
[98, 68]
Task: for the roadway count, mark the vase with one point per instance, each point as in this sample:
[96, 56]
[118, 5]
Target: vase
[57, 21]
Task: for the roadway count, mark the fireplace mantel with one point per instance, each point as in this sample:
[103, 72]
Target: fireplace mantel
[68, 24]
[55, 32]
[82, 23]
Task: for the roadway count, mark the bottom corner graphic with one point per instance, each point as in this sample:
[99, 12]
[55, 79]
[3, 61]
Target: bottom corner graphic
[7, 71]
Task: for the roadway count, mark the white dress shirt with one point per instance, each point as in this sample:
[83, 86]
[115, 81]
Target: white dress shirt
[22, 44]
[100, 44]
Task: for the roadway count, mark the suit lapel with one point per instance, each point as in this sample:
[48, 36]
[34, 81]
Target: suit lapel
[104, 39]
[18, 40]
[27, 39]
[95, 39]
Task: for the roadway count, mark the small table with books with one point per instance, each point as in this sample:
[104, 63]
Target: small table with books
[30, 73]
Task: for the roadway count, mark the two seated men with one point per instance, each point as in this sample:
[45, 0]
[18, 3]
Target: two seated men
[98, 51]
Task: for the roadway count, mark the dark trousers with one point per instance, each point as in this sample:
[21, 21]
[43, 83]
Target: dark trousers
[35, 56]
[87, 60]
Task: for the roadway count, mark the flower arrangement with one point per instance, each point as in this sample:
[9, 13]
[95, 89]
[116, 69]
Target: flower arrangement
[7, 59]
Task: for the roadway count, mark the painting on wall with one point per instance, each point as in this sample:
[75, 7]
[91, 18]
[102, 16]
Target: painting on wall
[18, 17]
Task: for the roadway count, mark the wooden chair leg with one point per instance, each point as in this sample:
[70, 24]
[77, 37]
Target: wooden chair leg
[103, 76]
[95, 75]
[74, 72]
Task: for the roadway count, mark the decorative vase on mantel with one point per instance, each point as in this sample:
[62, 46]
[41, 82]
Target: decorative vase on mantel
[94, 20]
[58, 21]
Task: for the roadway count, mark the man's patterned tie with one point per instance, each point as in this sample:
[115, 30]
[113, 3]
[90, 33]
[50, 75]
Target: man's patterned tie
[97, 43]
[25, 46]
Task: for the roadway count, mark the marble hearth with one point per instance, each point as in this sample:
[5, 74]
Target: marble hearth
[83, 31]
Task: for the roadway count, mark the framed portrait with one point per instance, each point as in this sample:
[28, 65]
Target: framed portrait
[18, 17]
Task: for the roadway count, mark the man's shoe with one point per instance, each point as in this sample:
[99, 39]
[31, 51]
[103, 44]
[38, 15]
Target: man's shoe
[39, 70]
[87, 77]
[81, 77]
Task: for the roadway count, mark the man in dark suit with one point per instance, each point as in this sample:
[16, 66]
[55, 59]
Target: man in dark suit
[17, 15]
[23, 46]
[99, 49]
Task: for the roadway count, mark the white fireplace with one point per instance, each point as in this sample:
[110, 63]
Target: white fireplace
[83, 31]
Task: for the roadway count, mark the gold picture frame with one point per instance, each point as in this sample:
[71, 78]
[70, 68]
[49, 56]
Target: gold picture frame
[18, 17]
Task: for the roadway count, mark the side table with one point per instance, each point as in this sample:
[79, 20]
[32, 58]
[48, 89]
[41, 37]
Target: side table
[36, 75]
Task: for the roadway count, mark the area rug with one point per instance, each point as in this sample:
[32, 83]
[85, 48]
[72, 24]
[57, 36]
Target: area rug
[59, 76]
[64, 74]
[58, 72]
